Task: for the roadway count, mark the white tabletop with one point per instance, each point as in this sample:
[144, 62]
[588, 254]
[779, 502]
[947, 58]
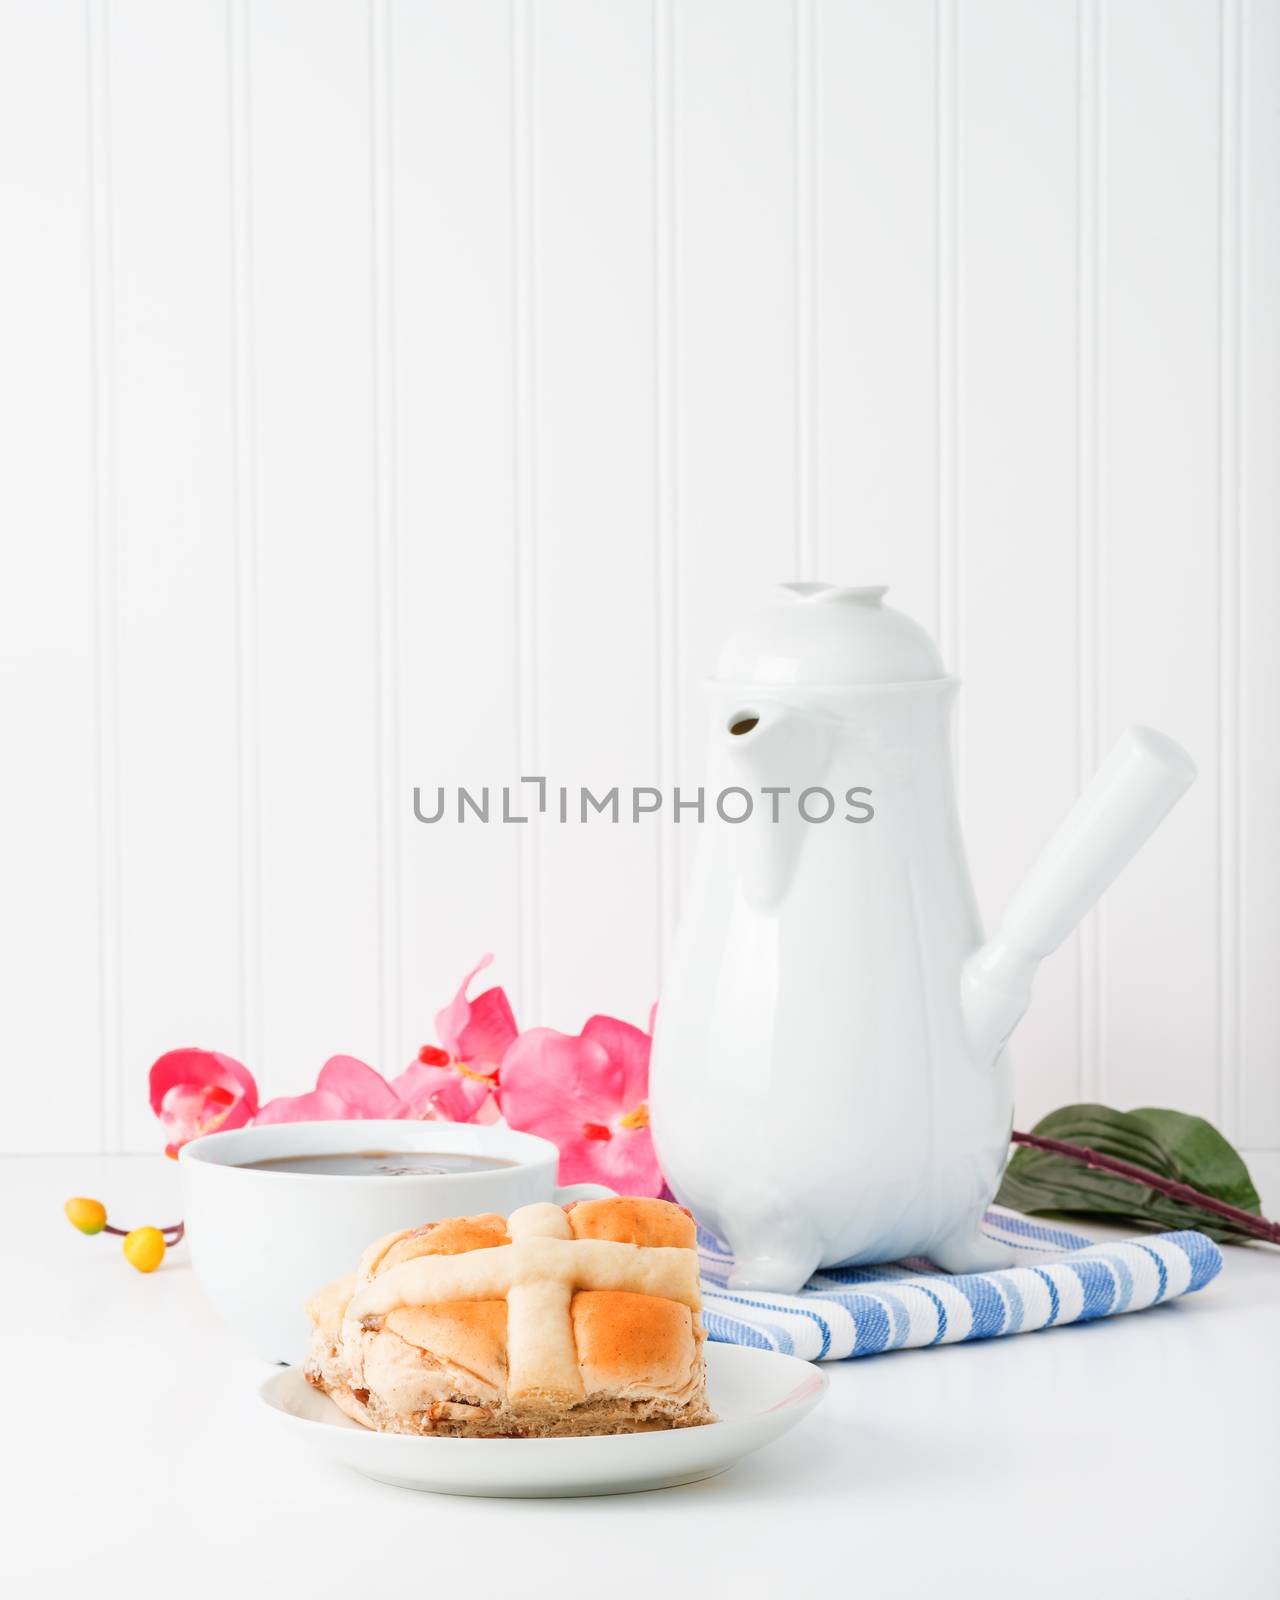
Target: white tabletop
[1138, 1456]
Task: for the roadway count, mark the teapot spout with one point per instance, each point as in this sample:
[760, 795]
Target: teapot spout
[769, 750]
[1129, 796]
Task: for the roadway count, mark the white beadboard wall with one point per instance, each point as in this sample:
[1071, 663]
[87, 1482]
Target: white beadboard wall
[400, 392]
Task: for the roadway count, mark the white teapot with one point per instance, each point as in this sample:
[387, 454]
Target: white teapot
[829, 1082]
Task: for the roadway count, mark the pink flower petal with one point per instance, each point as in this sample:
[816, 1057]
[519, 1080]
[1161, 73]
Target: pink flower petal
[187, 1111]
[365, 1092]
[491, 1030]
[576, 1091]
[488, 1113]
[418, 1084]
[628, 1049]
[462, 1100]
[626, 1162]
[320, 1105]
[479, 1030]
[453, 1019]
[202, 1069]
[200, 1091]
[442, 1091]
[554, 1084]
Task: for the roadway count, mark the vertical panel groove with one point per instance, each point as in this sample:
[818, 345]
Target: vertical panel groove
[102, 358]
[1088, 504]
[806, 266]
[666, 507]
[525, 488]
[1229, 675]
[386, 526]
[1257, 727]
[1159, 642]
[244, 499]
[948, 593]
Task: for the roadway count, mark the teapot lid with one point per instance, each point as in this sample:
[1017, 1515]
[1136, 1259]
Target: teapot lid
[819, 633]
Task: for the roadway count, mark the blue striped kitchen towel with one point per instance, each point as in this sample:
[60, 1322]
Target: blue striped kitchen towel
[861, 1311]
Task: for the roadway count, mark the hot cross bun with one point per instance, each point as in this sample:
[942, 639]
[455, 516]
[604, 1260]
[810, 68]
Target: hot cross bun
[559, 1320]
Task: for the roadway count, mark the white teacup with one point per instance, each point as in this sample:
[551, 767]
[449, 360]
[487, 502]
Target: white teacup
[263, 1242]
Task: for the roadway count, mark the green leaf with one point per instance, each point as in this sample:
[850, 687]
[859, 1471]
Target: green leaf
[1170, 1143]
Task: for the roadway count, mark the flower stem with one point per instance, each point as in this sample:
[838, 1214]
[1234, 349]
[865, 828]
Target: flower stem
[177, 1229]
[1246, 1221]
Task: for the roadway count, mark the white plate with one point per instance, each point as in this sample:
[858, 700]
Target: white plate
[757, 1395]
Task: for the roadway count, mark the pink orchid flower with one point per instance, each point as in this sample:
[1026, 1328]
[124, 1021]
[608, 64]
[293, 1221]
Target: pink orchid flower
[458, 1082]
[589, 1096]
[200, 1091]
[345, 1089]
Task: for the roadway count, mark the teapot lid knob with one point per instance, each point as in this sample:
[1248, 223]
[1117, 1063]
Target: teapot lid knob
[832, 635]
[865, 594]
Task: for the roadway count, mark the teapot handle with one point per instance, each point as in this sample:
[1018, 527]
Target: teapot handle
[1130, 795]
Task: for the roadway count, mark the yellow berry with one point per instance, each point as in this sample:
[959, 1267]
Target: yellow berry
[90, 1216]
[144, 1248]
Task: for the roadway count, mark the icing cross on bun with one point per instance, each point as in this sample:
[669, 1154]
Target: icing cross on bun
[562, 1320]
